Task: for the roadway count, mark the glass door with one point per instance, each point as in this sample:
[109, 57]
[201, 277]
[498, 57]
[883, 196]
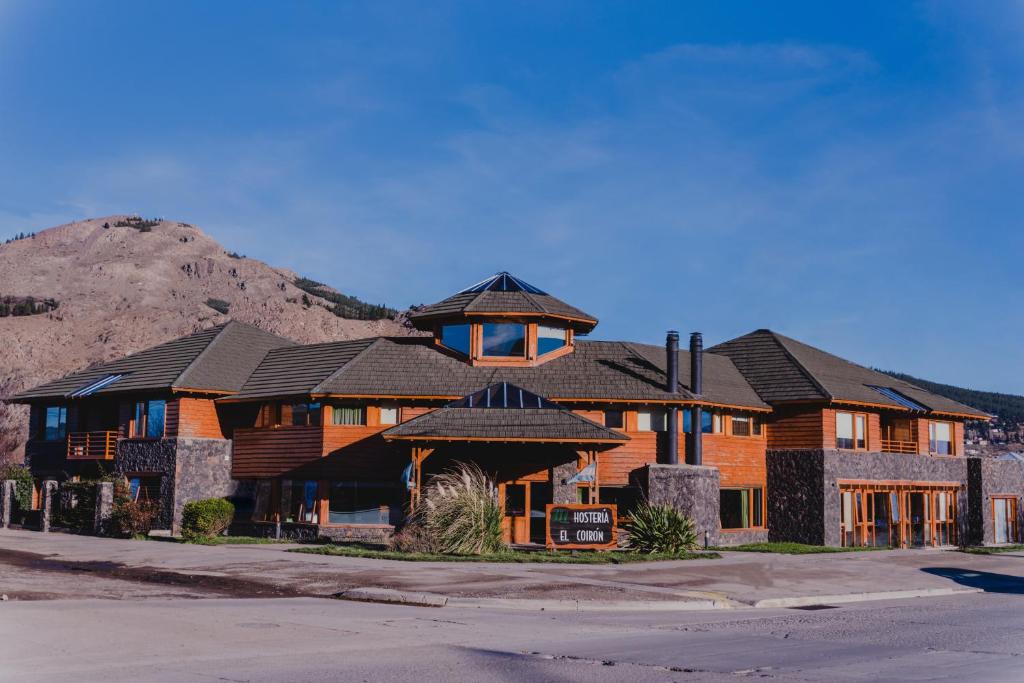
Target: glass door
[1001, 517]
[540, 496]
[918, 519]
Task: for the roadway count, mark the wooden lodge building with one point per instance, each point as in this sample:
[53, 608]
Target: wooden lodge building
[761, 437]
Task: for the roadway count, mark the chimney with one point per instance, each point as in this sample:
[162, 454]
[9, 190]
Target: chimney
[672, 386]
[694, 454]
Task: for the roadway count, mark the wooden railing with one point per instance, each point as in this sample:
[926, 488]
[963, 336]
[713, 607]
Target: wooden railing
[92, 445]
[893, 446]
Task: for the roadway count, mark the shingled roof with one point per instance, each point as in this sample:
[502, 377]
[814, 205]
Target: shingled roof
[783, 370]
[415, 366]
[502, 293]
[506, 413]
[217, 359]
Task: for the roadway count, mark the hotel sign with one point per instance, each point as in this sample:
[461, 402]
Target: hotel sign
[580, 526]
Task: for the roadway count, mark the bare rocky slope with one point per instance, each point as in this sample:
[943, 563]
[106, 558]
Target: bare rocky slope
[121, 285]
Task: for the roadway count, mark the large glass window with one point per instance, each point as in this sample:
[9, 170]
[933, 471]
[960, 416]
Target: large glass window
[358, 502]
[504, 339]
[348, 415]
[549, 339]
[299, 500]
[940, 438]
[651, 420]
[613, 419]
[148, 422]
[456, 337]
[741, 508]
[708, 422]
[55, 425]
[851, 431]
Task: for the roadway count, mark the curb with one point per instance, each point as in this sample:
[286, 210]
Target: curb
[589, 605]
[815, 600]
[394, 597]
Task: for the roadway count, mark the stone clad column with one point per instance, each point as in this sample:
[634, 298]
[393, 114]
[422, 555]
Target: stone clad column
[104, 506]
[49, 499]
[7, 489]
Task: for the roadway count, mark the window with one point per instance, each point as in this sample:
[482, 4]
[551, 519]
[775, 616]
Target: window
[55, 423]
[687, 420]
[709, 421]
[148, 419]
[456, 337]
[504, 339]
[741, 425]
[306, 414]
[755, 426]
[299, 500]
[625, 498]
[549, 339]
[651, 420]
[143, 488]
[348, 415]
[940, 438]
[357, 502]
[1004, 519]
[389, 415]
[613, 419]
[269, 415]
[741, 508]
[851, 431]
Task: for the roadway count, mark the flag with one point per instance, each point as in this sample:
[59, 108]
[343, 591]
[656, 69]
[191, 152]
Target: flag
[585, 476]
[407, 477]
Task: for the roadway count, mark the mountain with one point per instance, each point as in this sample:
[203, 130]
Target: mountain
[93, 290]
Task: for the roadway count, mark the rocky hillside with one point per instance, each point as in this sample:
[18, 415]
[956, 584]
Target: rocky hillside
[118, 284]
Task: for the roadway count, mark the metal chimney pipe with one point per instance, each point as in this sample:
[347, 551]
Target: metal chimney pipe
[672, 387]
[695, 453]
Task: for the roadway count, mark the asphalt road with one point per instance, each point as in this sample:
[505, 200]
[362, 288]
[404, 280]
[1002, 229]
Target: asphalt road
[978, 637]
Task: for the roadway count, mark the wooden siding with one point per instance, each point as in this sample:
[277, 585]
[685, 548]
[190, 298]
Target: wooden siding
[261, 453]
[796, 428]
[196, 417]
[740, 460]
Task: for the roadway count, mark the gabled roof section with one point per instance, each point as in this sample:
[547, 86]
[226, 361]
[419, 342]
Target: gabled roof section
[502, 293]
[216, 360]
[782, 369]
[301, 370]
[504, 412]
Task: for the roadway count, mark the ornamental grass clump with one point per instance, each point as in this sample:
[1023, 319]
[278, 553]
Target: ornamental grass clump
[660, 529]
[461, 512]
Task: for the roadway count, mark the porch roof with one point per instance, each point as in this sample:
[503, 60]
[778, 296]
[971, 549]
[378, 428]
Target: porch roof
[505, 413]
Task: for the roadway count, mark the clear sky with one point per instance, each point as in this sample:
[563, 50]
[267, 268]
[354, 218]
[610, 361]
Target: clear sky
[849, 175]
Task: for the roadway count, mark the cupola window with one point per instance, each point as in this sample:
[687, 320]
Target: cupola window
[504, 339]
[549, 339]
[456, 337]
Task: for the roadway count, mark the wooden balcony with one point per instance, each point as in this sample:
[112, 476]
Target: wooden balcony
[92, 445]
[893, 446]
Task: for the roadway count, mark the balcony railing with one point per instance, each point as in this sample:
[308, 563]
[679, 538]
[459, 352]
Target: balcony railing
[92, 445]
[893, 446]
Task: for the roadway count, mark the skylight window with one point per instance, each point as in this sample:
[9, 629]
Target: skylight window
[503, 282]
[96, 386]
[894, 395]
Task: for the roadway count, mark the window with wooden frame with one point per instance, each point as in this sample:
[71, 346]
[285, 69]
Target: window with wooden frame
[390, 414]
[143, 488]
[651, 420]
[55, 423]
[741, 508]
[746, 425]
[551, 339]
[306, 414]
[148, 419]
[503, 340]
[457, 338]
[851, 431]
[940, 438]
[1005, 528]
[350, 416]
[614, 419]
[269, 415]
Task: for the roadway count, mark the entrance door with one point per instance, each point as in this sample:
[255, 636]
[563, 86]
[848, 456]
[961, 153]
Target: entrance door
[516, 524]
[1004, 517]
[540, 496]
[918, 520]
[883, 536]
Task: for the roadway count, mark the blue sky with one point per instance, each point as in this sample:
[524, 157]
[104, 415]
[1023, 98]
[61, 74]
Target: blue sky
[847, 175]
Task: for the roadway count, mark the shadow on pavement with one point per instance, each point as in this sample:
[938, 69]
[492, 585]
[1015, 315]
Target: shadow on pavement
[987, 581]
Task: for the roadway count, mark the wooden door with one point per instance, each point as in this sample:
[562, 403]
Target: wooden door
[515, 526]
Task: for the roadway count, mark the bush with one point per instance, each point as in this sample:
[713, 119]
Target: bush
[206, 518]
[660, 529]
[131, 518]
[461, 512]
[414, 537]
[23, 488]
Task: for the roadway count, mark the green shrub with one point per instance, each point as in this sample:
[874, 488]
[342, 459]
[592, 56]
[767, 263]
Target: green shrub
[23, 486]
[660, 529]
[461, 512]
[206, 518]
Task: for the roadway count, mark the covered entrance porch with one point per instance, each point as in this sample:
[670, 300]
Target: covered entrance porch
[535, 451]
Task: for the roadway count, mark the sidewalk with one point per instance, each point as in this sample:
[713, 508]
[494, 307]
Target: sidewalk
[38, 566]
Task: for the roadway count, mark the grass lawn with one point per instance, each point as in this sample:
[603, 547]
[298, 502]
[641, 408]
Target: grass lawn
[515, 556]
[790, 548]
[993, 550]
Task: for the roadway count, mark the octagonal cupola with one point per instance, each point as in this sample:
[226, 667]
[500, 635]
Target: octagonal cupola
[504, 321]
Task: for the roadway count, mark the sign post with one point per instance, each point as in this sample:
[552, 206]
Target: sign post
[581, 526]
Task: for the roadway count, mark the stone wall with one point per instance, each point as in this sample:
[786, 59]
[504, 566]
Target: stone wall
[561, 492]
[151, 457]
[796, 499]
[202, 470]
[691, 489]
[998, 478]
